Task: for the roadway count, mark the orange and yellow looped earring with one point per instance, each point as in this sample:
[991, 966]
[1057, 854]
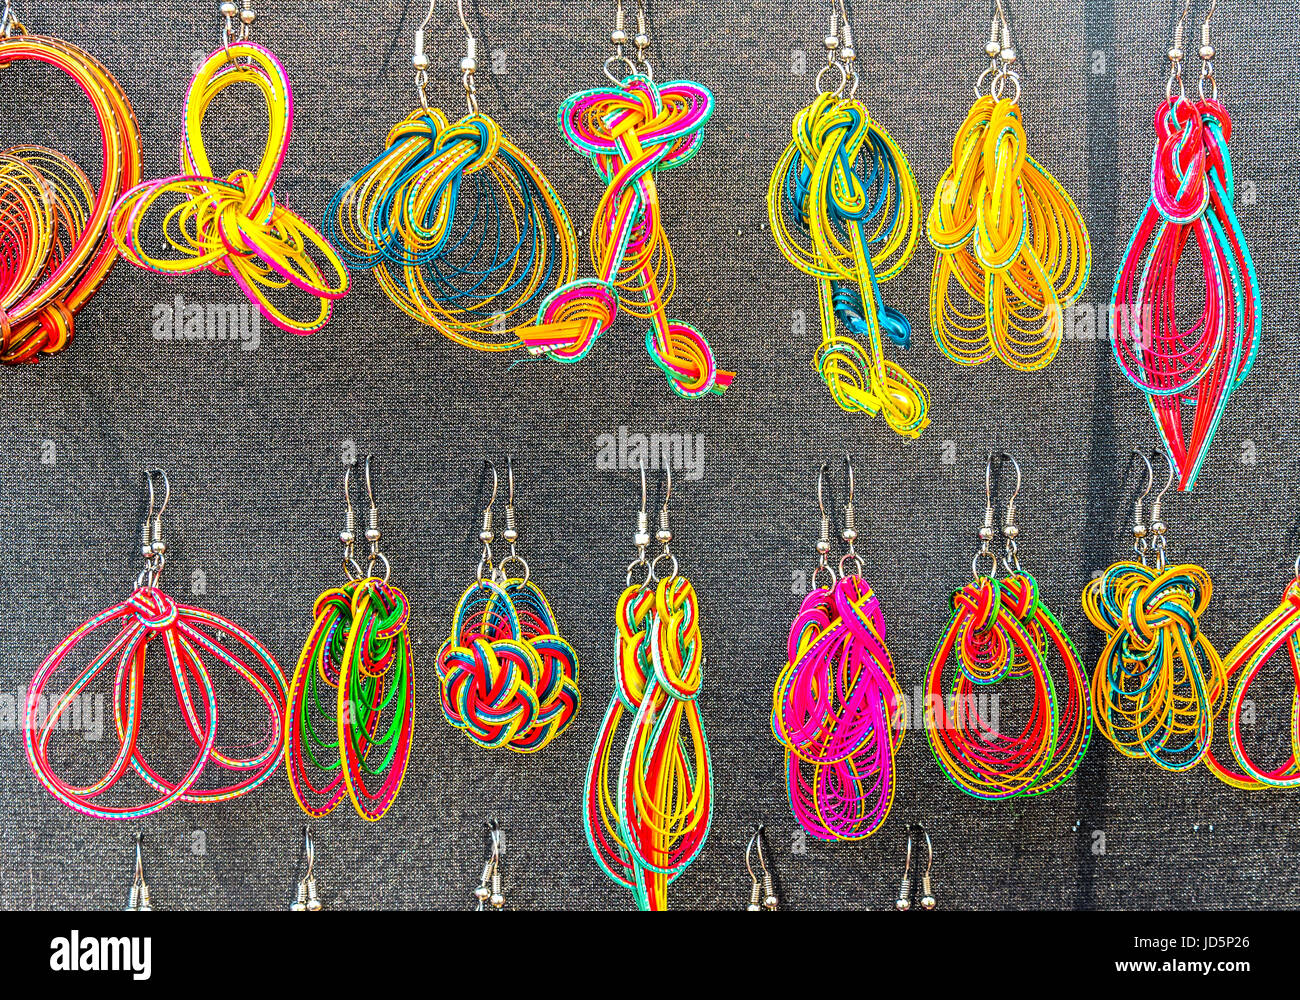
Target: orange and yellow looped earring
[1007, 235]
[508, 678]
[54, 250]
[461, 229]
[234, 225]
[1159, 683]
[845, 208]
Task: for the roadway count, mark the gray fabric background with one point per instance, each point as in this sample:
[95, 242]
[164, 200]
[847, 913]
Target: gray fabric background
[254, 443]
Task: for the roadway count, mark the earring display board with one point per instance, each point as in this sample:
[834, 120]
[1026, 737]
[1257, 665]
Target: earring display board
[255, 429]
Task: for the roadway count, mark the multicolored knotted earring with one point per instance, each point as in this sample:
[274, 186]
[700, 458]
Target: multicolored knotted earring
[1002, 632]
[1008, 238]
[1279, 630]
[1196, 369]
[461, 229]
[649, 800]
[1159, 682]
[54, 246]
[235, 225]
[836, 707]
[631, 133]
[352, 700]
[845, 209]
[191, 643]
[508, 678]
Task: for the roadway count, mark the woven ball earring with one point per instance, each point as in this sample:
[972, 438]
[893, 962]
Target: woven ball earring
[649, 797]
[508, 678]
[235, 225]
[1009, 239]
[352, 700]
[53, 219]
[836, 706]
[1159, 682]
[631, 132]
[844, 208]
[460, 228]
[1197, 369]
[192, 644]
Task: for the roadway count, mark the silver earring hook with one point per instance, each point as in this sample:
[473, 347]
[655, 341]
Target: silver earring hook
[824, 534]
[152, 544]
[904, 900]
[641, 537]
[1176, 54]
[348, 536]
[487, 534]
[138, 898]
[306, 897]
[511, 534]
[849, 533]
[1010, 530]
[1139, 529]
[928, 902]
[1158, 525]
[373, 533]
[469, 63]
[987, 531]
[664, 536]
[420, 60]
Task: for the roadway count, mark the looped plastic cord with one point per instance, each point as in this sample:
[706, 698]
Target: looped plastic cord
[1279, 631]
[508, 678]
[837, 710]
[648, 821]
[1001, 631]
[189, 642]
[234, 225]
[1010, 238]
[375, 701]
[1194, 370]
[844, 207]
[462, 230]
[54, 253]
[631, 133]
[1159, 682]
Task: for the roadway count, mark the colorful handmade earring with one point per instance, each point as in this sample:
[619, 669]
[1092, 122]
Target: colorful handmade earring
[1159, 682]
[1007, 236]
[235, 225]
[1279, 630]
[1000, 632]
[836, 706]
[508, 678]
[1193, 370]
[649, 798]
[461, 229]
[354, 740]
[53, 219]
[190, 640]
[631, 133]
[845, 209]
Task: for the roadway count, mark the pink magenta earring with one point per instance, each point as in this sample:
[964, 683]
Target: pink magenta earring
[836, 707]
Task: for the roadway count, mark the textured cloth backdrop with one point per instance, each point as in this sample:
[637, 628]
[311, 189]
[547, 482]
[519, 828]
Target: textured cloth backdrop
[254, 442]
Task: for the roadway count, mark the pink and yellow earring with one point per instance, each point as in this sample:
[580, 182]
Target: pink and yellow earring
[235, 225]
